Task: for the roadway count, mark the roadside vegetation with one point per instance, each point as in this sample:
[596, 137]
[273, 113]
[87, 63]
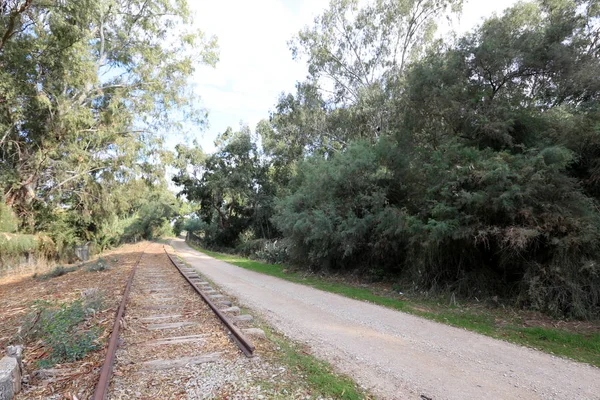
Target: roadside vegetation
[56, 272]
[465, 166]
[493, 320]
[319, 375]
[63, 328]
[64, 322]
[87, 91]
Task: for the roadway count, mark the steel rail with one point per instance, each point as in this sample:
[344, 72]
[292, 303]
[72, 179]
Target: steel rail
[241, 340]
[101, 389]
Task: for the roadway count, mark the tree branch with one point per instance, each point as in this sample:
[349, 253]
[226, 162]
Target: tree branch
[12, 21]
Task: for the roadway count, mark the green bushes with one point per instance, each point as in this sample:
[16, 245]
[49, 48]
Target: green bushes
[8, 219]
[14, 248]
[332, 217]
[64, 328]
[15, 244]
[474, 170]
[509, 223]
[98, 266]
[475, 222]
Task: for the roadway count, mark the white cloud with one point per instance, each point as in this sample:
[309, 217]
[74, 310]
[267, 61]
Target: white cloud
[255, 64]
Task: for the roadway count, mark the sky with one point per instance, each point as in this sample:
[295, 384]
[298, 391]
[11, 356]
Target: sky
[255, 64]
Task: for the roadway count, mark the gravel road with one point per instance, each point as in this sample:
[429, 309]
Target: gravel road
[397, 355]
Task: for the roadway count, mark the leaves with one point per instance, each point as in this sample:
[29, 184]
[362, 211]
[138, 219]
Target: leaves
[88, 88]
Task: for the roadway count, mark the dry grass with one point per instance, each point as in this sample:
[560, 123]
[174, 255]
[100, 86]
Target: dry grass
[18, 293]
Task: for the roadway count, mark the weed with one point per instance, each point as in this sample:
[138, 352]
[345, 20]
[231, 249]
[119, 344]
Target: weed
[63, 328]
[319, 374]
[56, 272]
[99, 265]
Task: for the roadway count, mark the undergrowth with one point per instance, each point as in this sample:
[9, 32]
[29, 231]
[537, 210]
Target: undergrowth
[56, 272]
[98, 266]
[578, 346]
[64, 329]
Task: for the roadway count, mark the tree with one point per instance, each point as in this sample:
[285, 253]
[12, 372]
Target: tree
[231, 188]
[484, 182]
[86, 88]
[354, 48]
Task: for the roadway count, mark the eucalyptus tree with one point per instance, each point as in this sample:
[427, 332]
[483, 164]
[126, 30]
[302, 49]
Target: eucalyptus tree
[357, 54]
[354, 47]
[231, 187]
[86, 88]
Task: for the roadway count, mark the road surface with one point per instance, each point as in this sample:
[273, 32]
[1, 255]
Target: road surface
[397, 355]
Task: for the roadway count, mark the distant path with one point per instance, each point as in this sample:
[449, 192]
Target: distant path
[397, 355]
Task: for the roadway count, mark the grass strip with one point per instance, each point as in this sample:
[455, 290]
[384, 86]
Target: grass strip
[319, 375]
[579, 347]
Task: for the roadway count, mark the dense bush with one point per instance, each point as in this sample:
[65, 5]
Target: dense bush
[475, 168]
[332, 217]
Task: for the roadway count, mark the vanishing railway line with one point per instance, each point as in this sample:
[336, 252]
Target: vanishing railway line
[174, 318]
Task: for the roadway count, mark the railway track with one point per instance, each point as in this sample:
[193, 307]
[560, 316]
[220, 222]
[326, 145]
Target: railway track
[199, 285]
[174, 318]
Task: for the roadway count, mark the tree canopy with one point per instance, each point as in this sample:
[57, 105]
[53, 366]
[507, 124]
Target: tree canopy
[467, 165]
[87, 88]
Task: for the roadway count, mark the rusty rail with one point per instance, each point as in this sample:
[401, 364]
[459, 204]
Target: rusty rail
[106, 371]
[241, 340]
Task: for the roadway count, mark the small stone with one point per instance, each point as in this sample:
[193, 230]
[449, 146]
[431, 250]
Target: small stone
[15, 352]
[255, 332]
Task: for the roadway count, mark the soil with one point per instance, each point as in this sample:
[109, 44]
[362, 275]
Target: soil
[18, 295]
[157, 284]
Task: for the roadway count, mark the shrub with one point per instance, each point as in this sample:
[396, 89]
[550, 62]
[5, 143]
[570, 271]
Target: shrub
[8, 220]
[461, 219]
[98, 266]
[62, 328]
[274, 251]
[56, 272]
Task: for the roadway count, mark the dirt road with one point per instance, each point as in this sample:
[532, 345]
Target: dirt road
[396, 355]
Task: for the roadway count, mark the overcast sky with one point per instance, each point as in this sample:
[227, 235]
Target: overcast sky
[255, 63]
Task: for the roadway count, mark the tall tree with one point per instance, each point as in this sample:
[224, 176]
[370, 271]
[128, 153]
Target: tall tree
[354, 47]
[86, 88]
[231, 187]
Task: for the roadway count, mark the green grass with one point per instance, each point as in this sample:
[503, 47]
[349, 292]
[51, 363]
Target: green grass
[318, 283]
[319, 375]
[559, 342]
[580, 347]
